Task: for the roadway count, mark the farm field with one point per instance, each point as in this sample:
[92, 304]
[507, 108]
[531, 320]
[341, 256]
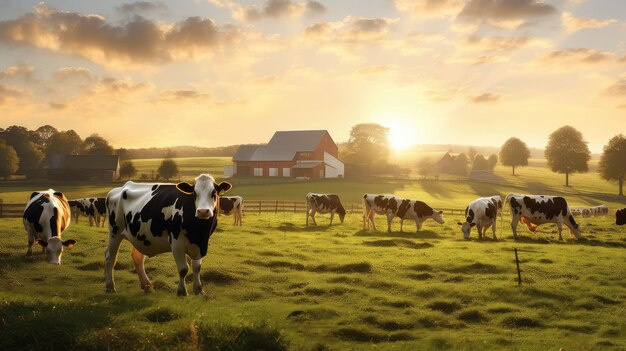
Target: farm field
[274, 284]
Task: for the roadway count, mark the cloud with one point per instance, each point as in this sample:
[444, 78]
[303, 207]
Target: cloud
[486, 98]
[18, 71]
[617, 89]
[351, 30]
[429, 8]
[494, 11]
[176, 96]
[271, 9]
[573, 23]
[137, 41]
[58, 106]
[577, 56]
[67, 73]
[9, 93]
[506, 44]
[141, 7]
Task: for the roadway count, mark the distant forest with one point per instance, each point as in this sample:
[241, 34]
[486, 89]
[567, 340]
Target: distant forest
[177, 151]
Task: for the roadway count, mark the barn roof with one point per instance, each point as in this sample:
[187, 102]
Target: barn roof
[283, 146]
[245, 152]
[95, 162]
[307, 164]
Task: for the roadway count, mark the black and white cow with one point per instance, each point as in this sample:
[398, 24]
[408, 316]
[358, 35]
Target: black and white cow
[232, 205]
[100, 210]
[76, 209]
[324, 203]
[393, 206]
[46, 216]
[533, 210]
[158, 218]
[481, 213]
[620, 216]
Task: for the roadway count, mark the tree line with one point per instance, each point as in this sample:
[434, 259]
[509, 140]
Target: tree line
[27, 152]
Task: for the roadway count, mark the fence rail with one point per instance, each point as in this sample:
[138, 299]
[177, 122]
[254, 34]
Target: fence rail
[250, 206]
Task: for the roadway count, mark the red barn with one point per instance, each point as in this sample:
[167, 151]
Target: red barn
[302, 153]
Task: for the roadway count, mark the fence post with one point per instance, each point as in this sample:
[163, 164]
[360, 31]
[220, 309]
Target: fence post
[519, 274]
[1, 206]
[276, 210]
[294, 206]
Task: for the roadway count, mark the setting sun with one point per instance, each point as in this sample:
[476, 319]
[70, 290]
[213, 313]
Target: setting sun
[400, 136]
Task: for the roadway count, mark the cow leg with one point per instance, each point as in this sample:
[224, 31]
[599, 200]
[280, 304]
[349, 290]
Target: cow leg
[493, 229]
[417, 224]
[389, 220]
[178, 251]
[479, 227]
[31, 241]
[401, 225]
[313, 217]
[308, 213]
[559, 226]
[514, 221]
[371, 220]
[332, 214]
[197, 284]
[110, 256]
[138, 260]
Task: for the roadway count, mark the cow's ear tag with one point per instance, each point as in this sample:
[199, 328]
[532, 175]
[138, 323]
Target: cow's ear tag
[185, 188]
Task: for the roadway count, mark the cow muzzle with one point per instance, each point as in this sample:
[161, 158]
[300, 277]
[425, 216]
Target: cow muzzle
[204, 213]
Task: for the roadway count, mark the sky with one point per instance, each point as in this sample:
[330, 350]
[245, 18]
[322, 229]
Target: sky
[224, 72]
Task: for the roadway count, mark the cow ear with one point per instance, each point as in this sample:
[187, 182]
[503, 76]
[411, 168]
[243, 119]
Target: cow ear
[59, 195]
[35, 193]
[185, 188]
[459, 223]
[440, 212]
[222, 187]
[472, 224]
[69, 243]
[41, 242]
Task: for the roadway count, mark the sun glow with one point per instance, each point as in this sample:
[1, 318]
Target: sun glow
[400, 136]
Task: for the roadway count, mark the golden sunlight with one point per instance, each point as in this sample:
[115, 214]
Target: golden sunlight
[400, 136]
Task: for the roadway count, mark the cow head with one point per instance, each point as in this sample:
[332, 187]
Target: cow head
[466, 228]
[54, 248]
[206, 194]
[438, 216]
[342, 213]
[576, 230]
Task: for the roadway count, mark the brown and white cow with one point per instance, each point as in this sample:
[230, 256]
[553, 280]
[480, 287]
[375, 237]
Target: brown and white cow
[533, 210]
[46, 216]
[482, 214]
[232, 205]
[157, 218]
[324, 203]
[394, 206]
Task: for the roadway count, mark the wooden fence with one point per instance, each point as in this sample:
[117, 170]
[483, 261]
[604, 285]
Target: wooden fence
[250, 206]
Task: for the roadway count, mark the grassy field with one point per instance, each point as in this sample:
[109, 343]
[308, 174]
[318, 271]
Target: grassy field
[189, 167]
[274, 284]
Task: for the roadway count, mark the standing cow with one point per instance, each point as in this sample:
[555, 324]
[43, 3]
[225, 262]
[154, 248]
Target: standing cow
[324, 203]
[534, 210]
[158, 218]
[76, 209]
[232, 205]
[46, 216]
[100, 210]
[393, 206]
[620, 216]
[481, 213]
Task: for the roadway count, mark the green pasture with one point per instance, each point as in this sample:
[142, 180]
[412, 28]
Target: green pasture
[189, 167]
[275, 284]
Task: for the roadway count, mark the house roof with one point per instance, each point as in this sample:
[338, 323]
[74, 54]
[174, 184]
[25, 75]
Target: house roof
[283, 146]
[97, 162]
[245, 152]
[307, 164]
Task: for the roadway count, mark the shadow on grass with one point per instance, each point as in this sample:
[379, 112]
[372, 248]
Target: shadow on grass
[363, 335]
[398, 243]
[290, 227]
[228, 337]
[424, 234]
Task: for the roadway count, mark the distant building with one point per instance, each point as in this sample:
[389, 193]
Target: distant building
[304, 153]
[84, 167]
[446, 164]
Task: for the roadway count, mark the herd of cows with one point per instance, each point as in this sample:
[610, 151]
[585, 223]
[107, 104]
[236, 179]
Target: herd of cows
[180, 218]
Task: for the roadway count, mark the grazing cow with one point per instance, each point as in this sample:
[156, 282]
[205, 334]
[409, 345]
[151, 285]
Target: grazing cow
[534, 210]
[100, 210]
[46, 216]
[158, 218]
[620, 217]
[76, 209]
[586, 212]
[324, 203]
[393, 206]
[576, 211]
[232, 205]
[481, 213]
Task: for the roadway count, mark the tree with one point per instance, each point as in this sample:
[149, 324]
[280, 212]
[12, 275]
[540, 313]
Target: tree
[127, 169]
[43, 134]
[30, 159]
[424, 166]
[64, 143]
[97, 145]
[613, 161]
[492, 161]
[480, 163]
[514, 153]
[567, 152]
[472, 152]
[368, 143]
[168, 169]
[9, 162]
